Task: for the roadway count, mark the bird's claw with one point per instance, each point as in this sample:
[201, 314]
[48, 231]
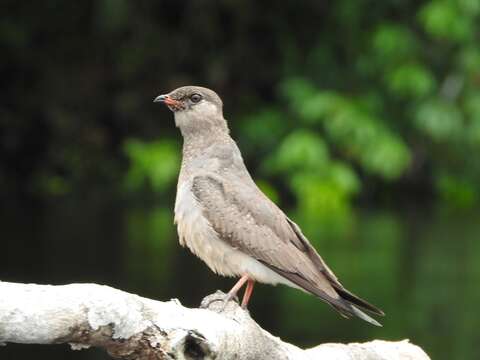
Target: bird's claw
[224, 300]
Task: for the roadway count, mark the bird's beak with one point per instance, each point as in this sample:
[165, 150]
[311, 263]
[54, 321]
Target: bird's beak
[167, 100]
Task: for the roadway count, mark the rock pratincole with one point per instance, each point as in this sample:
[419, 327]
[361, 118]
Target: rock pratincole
[226, 220]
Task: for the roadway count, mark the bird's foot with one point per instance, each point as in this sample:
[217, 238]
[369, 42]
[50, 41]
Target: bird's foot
[232, 294]
[228, 297]
[218, 301]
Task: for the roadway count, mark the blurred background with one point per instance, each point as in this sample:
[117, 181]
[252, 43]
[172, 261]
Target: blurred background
[360, 118]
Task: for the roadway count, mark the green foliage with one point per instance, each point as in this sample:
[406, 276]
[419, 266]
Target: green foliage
[262, 130]
[300, 150]
[323, 207]
[374, 90]
[358, 133]
[439, 120]
[408, 88]
[411, 80]
[469, 60]
[449, 19]
[153, 164]
[457, 191]
[392, 43]
[322, 186]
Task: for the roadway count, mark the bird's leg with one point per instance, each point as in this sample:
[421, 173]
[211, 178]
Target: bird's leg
[235, 289]
[248, 293]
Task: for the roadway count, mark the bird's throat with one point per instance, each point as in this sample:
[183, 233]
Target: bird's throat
[201, 129]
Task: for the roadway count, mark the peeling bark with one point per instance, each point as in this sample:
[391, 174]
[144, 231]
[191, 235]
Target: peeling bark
[128, 326]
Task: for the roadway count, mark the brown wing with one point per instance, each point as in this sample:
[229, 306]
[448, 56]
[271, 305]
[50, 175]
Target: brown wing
[245, 218]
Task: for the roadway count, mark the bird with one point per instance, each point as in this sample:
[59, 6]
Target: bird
[228, 222]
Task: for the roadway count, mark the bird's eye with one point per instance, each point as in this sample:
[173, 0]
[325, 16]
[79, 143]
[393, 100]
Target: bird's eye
[196, 98]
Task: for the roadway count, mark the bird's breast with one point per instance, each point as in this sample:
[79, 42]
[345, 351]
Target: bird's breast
[195, 232]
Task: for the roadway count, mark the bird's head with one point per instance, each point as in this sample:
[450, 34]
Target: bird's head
[194, 107]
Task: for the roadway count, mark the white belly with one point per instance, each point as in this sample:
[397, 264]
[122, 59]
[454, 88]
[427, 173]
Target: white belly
[197, 234]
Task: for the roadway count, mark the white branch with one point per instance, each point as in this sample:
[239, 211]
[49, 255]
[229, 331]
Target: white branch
[131, 327]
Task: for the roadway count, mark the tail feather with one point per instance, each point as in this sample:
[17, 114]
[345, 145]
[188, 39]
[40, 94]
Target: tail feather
[355, 300]
[346, 304]
[354, 311]
[359, 313]
[354, 303]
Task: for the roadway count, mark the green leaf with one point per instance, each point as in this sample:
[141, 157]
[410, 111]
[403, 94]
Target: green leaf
[444, 20]
[472, 111]
[155, 164]
[471, 7]
[365, 138]
[440, 120]
[344, 177]
[393, 42]
[473, 132]
[323, 206]
[264, 128]
[472, 104]
[389, 157]
[318, 106]
[299, 150]
[469, 60]
[296, 90]
[352, 128]
[411, 80]
[457, 191]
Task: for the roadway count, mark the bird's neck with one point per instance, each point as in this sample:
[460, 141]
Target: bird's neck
[204, 133]
[201, 131]
[207, 149]
[197, 143]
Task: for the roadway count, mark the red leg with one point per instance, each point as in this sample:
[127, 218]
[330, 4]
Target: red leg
[235, 288]
[248, 293]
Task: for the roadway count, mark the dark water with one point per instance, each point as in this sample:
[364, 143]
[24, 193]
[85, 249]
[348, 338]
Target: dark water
[421, 266]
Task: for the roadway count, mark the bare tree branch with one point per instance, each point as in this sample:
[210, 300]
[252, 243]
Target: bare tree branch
[128, 326]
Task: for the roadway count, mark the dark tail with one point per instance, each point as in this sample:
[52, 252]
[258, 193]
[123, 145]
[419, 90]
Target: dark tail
[355, 300]
[348, 304]
[352, 305]
[348, 310]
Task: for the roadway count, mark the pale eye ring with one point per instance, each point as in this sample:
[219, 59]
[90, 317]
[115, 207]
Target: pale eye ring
[195, 98]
